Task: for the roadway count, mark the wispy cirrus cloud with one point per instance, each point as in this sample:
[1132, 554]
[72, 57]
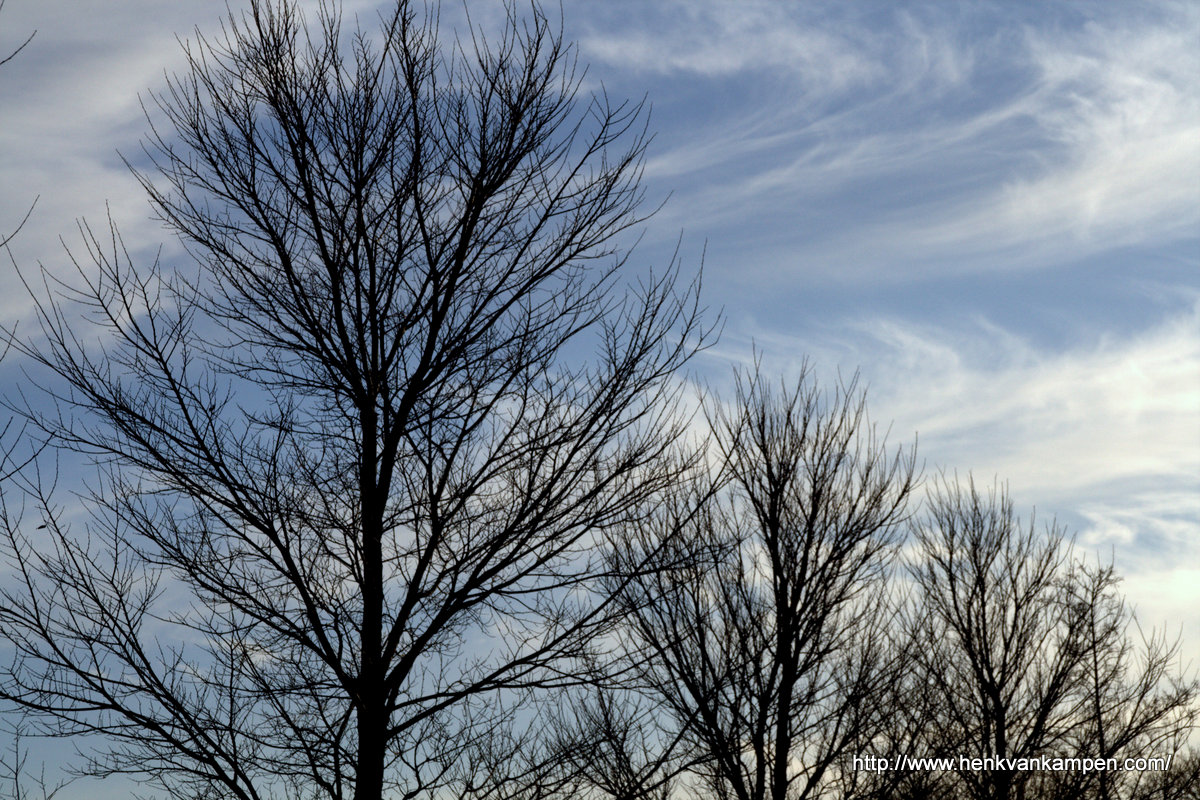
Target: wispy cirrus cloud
[719, 39]
[1056, 421]
[71, 101]
[1019, 142]
[1113, 155]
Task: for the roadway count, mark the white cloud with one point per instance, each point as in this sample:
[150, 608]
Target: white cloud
[721, 39]
[1159, 597]
[1120, 110]
[951, 152]
[69, 102]
[1104, 435]
[1059, 422]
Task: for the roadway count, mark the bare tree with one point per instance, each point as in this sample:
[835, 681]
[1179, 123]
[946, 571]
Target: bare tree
[1003, 646]
[1026, 654]
[354, 501]
[1180, 782]
[763, 639]
[1138, 703]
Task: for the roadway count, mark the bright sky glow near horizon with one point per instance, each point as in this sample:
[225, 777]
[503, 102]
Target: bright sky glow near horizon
[991, 209]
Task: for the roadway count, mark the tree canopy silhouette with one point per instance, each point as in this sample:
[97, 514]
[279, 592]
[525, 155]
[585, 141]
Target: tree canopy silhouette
[391, 496]
[363, 463]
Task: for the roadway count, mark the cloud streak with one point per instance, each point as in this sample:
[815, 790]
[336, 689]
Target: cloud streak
[1029, 147]
[1104, 435]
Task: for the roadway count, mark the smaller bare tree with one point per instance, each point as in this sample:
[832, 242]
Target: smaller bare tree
[1003, 646]
[763, 642]
[1137, 701]
[1180, 781]
[1026, 653]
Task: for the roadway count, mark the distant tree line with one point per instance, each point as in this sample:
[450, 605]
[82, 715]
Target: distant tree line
[394, 490]
[806, 613]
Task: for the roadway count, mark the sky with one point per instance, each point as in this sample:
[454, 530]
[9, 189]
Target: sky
[991, 210]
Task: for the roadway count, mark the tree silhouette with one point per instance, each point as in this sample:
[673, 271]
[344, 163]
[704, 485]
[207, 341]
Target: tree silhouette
[763, 641]
[1137, 703]
[392, 494]
[1027, 654]
[363, 464]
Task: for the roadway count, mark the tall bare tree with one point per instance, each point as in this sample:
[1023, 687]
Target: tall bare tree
[763, 642]
[363, 464]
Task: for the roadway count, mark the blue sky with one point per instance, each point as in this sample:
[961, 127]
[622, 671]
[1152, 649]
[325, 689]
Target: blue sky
[991, 209]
